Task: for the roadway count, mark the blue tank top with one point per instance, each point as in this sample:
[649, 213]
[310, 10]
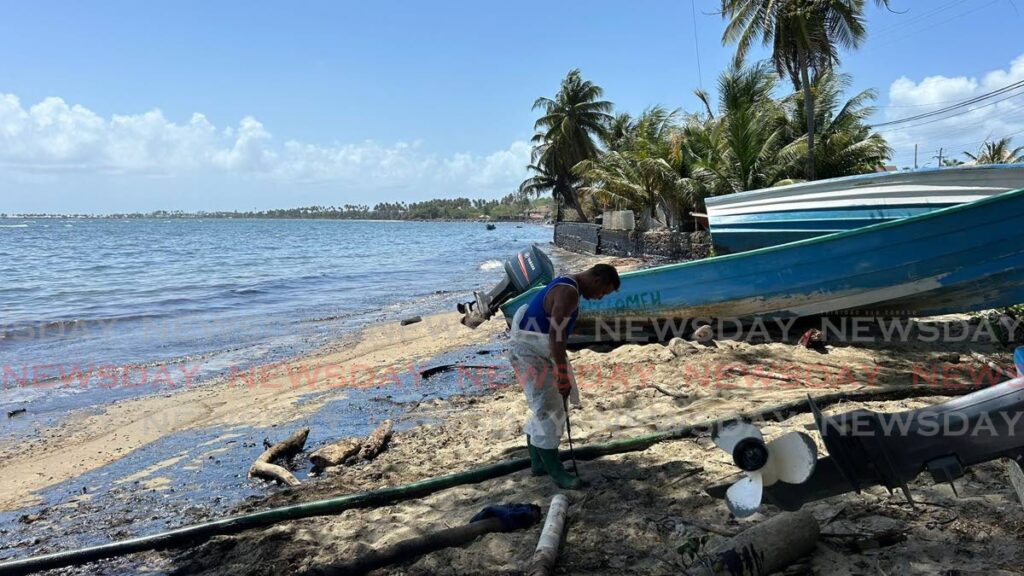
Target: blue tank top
[536, 320]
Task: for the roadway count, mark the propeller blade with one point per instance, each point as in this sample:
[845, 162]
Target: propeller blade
[727, 436]
[791, 458]
[744, 497]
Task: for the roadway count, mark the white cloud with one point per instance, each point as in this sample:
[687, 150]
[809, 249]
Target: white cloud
[989, 119]
[55, 137]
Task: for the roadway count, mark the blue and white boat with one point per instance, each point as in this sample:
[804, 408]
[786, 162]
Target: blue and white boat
[963, 258]
[773, 216]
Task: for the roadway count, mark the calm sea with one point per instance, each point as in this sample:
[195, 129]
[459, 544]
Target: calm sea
[88, 301]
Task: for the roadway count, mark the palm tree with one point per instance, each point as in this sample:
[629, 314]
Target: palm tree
[738, 149]
[997, 152]
[616, 134]
[846, 145]
[617, 178]
[805, 36]
[565, 134]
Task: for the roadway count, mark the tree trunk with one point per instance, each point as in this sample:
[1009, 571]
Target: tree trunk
[805, 82]
[564, 190]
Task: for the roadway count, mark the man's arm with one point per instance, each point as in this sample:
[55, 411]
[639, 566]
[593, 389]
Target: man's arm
[563, 302]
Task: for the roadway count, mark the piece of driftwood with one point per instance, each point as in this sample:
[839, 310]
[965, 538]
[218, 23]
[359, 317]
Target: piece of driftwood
[667, 392]
[16, 412]
[763, 549]
[264, 466]
[376, 441]
[991, 364]
[411, 320]
[335, 454]
[546, 554]
[764, 374]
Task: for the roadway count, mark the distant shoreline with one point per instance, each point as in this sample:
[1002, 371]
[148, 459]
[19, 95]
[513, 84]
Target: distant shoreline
[250, 217]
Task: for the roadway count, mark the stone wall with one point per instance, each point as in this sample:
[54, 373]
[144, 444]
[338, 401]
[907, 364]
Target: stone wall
[593, 239]
[577, 237]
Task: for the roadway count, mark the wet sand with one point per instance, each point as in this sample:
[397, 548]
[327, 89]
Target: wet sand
[261, 397]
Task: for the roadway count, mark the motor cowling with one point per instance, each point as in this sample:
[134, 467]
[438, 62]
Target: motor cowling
[528, 268]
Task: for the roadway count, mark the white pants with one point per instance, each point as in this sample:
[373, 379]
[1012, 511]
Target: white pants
[530, 356]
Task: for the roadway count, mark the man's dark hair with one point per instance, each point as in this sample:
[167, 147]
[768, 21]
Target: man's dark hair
[607, 274]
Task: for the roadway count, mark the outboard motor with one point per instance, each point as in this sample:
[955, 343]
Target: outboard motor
[530, 267]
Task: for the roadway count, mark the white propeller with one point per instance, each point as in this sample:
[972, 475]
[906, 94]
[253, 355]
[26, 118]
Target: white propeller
[789, 458]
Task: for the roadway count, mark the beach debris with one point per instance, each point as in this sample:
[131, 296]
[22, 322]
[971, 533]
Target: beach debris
[351, 450]
[813, 339]
[411, 320]
[264, 466]
[335, 454]
[764, 374]
[667, 392]
[704, 334]
[681, 347]
[16, 412]
[790, 458]
[433, 370]
[376, 441]
[992, 364]
[546, 555]
[502, 518]
[763, 549]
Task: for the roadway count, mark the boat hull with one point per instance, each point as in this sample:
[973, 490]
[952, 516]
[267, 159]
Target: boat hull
[773, 216]
[959, 259]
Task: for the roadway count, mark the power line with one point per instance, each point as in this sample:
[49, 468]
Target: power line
[967, 111]
[915, 18]
[906, 34]
[960, 104]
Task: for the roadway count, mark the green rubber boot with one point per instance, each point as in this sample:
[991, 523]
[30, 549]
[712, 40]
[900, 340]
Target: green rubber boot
[553, 464]
[536, 465]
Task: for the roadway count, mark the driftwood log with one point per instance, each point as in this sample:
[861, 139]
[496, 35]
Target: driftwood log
[335, 454]
[377, 441]
[764, 374]
[546, 555]
[348, 450]
[764, 549]
[264, 466]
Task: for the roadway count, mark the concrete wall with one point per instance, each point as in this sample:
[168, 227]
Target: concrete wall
[593, 239]
[577, 237]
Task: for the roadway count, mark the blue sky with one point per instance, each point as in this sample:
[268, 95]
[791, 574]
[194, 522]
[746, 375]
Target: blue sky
[118, 106]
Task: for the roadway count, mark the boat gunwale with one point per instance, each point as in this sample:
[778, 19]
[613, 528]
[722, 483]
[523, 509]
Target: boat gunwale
[749, 194]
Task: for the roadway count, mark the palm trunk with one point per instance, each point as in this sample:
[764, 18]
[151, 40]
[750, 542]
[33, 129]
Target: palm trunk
[805, 82]
[564, 191]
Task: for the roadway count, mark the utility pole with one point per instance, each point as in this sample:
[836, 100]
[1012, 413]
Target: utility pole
[915, 156]
[939, 157]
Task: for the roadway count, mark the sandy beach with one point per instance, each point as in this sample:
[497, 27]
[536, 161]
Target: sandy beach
[638, 509]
